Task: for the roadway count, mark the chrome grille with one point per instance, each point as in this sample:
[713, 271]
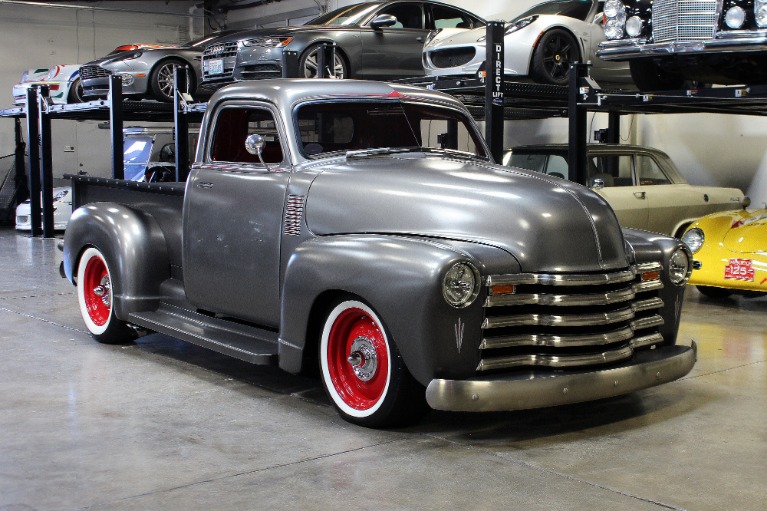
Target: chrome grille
[224, 51]
[565, 321]
[452, 57]
[89, 72]
[684, 20]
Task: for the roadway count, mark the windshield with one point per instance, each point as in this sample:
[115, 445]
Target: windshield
[202, 42]
[136, 156]
[333, 127]
[349, 15]
[577, 9]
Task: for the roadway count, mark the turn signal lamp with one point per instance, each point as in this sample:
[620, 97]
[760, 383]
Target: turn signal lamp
[506, 289]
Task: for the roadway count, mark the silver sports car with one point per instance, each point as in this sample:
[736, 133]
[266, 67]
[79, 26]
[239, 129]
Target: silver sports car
[375, 40]
[540, 43]
[146, 70]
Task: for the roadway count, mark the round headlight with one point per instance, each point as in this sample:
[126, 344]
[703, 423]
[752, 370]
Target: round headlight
[613, 29]
[761, 16]
[694, 239]
[461, 285]
[634, 26]
[679, 267]
[613, 7]
[735, 17]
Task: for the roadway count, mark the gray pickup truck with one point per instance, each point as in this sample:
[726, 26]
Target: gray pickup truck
[361, 228]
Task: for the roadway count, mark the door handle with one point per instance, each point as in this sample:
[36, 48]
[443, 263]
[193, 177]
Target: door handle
[204, 184]
[639, 195]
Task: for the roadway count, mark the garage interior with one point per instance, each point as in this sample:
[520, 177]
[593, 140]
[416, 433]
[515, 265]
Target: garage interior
[160, 423]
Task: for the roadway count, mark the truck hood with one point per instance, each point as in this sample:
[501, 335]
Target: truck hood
[547, 224]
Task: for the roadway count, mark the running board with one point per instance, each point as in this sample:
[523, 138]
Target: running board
[251, 344]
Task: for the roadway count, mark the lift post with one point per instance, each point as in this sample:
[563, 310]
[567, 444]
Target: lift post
[21, 185]
[494, 88]
[576, 151]
[326, 60]
[33, 136]
[46, 161]
[181, 122]
[116, 125]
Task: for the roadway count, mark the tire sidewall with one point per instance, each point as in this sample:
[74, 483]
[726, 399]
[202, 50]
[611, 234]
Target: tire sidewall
[338, 401]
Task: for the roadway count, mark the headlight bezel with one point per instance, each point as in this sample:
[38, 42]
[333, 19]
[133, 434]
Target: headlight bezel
[461, 284]
[266, 42]
[680, 266]
[694, 239]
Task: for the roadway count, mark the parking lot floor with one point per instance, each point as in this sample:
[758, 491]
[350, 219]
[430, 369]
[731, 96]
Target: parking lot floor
[161, 424]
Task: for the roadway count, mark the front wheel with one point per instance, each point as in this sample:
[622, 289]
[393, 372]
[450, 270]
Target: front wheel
[552, 58]
[95, 296]
[308, 65]
[76, 92]
[363, 372]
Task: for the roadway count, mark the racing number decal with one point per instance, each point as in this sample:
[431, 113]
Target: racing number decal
[739, 269]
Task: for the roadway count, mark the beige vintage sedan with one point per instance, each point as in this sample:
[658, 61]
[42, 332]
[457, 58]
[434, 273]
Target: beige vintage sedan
[642, 184]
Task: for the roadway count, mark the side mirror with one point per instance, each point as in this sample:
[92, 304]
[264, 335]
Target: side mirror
[383, 21]
[254, 144]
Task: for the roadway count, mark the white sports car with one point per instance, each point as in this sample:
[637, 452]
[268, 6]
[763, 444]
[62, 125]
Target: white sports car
[540, 43]
[62, 210]
[63, 81]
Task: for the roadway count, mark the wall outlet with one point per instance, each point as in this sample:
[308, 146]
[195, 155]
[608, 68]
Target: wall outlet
[69, 148]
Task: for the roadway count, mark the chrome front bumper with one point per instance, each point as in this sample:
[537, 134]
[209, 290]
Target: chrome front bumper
[740, 41]
[520, 392]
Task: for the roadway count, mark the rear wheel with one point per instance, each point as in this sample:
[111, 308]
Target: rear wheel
[363, 372]
[95, 296]
[648, 75]
[552, 58]
[161, 80]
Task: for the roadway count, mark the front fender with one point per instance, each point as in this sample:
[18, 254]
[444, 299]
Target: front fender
[401, 279]
[133, 245]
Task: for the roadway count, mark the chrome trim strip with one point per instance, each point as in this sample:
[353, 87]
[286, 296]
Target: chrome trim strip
[561, 280]
[623, 49]
[507, 392]
[647, 285]
[649, 322]
[622, 295]
[601, 318]
[646, 340]
[556, 361]
[556, 341]
[644, 305]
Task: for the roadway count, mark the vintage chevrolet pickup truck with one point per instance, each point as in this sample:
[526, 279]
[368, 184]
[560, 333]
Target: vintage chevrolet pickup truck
[361, 228]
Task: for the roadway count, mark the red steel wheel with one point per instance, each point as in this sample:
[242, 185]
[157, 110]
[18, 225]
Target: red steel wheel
[94, 294]
[363, 372]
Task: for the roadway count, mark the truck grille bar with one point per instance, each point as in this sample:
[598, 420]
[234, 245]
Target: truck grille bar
[684, 20]
[566, 321]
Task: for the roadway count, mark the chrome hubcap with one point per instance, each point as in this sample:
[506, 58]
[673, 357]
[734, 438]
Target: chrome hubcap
[363, 358]
[102, 290]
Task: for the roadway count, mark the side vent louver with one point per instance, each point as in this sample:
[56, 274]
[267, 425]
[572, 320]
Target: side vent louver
[294, 213]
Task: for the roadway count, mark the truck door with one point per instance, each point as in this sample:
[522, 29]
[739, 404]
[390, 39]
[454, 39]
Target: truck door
[232, 217]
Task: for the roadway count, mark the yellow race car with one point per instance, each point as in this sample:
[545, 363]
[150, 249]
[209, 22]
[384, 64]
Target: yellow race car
[730, 253]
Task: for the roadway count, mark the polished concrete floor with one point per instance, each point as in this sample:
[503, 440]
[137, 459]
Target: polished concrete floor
[161, 424]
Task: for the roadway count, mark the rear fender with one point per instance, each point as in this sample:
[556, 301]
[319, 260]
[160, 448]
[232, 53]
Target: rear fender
[133, 245]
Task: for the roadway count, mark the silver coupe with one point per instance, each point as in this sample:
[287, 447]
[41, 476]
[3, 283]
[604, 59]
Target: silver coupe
[540, 43]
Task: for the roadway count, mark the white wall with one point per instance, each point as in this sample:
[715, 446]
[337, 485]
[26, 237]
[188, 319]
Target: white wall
[39, 36]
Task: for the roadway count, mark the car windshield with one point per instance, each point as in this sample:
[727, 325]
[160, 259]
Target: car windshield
[577, 9]
[385, 126]
[138, 149]
[349, 15]
[202, 42]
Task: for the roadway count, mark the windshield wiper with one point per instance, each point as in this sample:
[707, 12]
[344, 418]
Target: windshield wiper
[383, 151]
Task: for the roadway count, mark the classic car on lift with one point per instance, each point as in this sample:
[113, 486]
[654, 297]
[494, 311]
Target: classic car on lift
[540, 43]
[669, 42]
[642, 184]
[63, 82]
[730, 251]
[146, 70]
[375, 40]
[401, 262]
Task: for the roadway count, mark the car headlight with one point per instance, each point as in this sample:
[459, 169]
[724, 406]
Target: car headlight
[694, 239]
[735, 17]
[267, 42]
[513, 27]
[680, 266]
[613, 29]
[634, 26]
[760, 13]
[613, 8]
[461, 285]
[134, 55]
